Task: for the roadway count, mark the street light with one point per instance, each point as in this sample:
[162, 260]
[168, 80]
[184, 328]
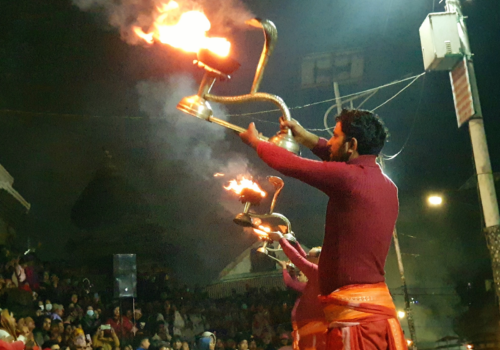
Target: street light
[401, 314]
[435, 200]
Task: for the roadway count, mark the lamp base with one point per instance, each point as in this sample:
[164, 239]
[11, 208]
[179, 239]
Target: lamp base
[196, 106]
[285, 141]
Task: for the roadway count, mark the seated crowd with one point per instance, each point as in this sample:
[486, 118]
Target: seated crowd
[46, 308]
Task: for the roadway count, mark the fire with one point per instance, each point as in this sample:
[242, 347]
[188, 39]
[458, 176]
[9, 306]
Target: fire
[239, 186]
[219, 175]
[185, 30]
[262, 231]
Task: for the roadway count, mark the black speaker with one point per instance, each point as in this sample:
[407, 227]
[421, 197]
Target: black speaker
[125, 275]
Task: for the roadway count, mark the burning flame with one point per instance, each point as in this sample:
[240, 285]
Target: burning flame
[219, 175]
[262, 231]
[188, 32]
[238, 186]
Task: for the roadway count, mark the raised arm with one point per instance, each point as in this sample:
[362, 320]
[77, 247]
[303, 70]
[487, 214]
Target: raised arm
[309, 269]
[293, 283]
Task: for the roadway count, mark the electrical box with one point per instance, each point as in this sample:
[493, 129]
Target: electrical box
[441, 45]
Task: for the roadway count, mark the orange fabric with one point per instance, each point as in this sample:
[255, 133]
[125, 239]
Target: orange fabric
[362, 317]
[311, 336]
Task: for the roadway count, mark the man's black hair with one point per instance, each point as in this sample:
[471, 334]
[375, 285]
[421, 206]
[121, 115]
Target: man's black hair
[366, 127]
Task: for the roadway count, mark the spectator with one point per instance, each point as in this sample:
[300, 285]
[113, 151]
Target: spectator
[90, 322]
[58, 312]
[207, 341]
[176, 343]
[144, 344]
[41, 332]
[100, 340]
[120, 324]
[285, 342]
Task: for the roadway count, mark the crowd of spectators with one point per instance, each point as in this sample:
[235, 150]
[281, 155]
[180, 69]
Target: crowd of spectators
[46, 308]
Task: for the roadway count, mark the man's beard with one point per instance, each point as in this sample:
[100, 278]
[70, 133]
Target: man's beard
[339, 157]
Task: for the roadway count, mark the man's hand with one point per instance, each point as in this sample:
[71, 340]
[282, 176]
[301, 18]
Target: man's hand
[251, 136]
[301, 135]
[283, 264]
[275, 236]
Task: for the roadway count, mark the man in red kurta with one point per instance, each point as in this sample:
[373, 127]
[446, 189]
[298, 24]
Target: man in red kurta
[360, 218]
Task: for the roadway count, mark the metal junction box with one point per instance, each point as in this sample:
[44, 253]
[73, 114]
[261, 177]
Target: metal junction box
[441, 45]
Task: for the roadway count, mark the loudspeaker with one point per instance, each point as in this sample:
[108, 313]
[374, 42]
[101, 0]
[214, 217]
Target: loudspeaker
[125, 275]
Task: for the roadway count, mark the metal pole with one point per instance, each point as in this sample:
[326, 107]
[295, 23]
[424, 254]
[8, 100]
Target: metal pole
[338, 100]
[481, 155]
[409, 314]
[408, 311]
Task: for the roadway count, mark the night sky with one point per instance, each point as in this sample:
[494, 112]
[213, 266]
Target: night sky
[70, 88]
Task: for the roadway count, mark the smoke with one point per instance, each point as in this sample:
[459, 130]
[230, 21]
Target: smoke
[126, 14]
[200, 145]
[185, 153]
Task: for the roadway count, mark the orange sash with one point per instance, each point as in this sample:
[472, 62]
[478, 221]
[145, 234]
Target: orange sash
[356, 304]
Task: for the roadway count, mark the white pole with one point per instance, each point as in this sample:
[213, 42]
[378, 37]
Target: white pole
[484, 172]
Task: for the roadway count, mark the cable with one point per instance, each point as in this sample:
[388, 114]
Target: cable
[329, 100]
[412, 126]
[399, 92]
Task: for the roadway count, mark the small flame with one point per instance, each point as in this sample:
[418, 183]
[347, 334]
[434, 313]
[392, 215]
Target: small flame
[238, 186]
[219, 175]
[188, 32]
[262, 231]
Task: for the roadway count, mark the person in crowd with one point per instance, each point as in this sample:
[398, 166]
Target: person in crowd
[55, 331]
[8, 326]
[90, 321]
[207, 341]
[242, 342]
[120, 324]
[267, 342]
[144, 344]
[219, 345]
[58, 312]
[42, 331]
[252, 344]
[52, 345]
[48, 307]
[179, 322]
[361, 215]
[285, 342]
[176, 343]
[185, 345]
[101, 340]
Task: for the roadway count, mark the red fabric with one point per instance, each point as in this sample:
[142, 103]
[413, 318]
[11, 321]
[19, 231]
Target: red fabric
[307, 307]
[360, 217]
[17, 345]
[117, 326]
[366, 336]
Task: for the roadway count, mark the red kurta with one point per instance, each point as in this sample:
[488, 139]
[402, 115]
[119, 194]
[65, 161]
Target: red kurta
[307, 307]
[360, 217]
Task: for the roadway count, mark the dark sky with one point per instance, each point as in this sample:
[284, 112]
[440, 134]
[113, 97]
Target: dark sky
[78, 88]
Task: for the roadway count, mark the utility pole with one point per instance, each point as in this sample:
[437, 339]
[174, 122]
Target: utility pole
[484, 172]
[408, 311]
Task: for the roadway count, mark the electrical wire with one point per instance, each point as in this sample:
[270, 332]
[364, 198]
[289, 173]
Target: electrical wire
[330, 99]
[415, 117]
[398, 93]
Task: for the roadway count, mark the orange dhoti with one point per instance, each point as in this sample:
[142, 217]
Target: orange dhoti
[362, 317]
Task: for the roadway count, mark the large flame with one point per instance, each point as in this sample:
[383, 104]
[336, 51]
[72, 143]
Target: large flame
[185, 30]
[238, 186]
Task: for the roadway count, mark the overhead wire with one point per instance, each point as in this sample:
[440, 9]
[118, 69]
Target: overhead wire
[330, 99]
